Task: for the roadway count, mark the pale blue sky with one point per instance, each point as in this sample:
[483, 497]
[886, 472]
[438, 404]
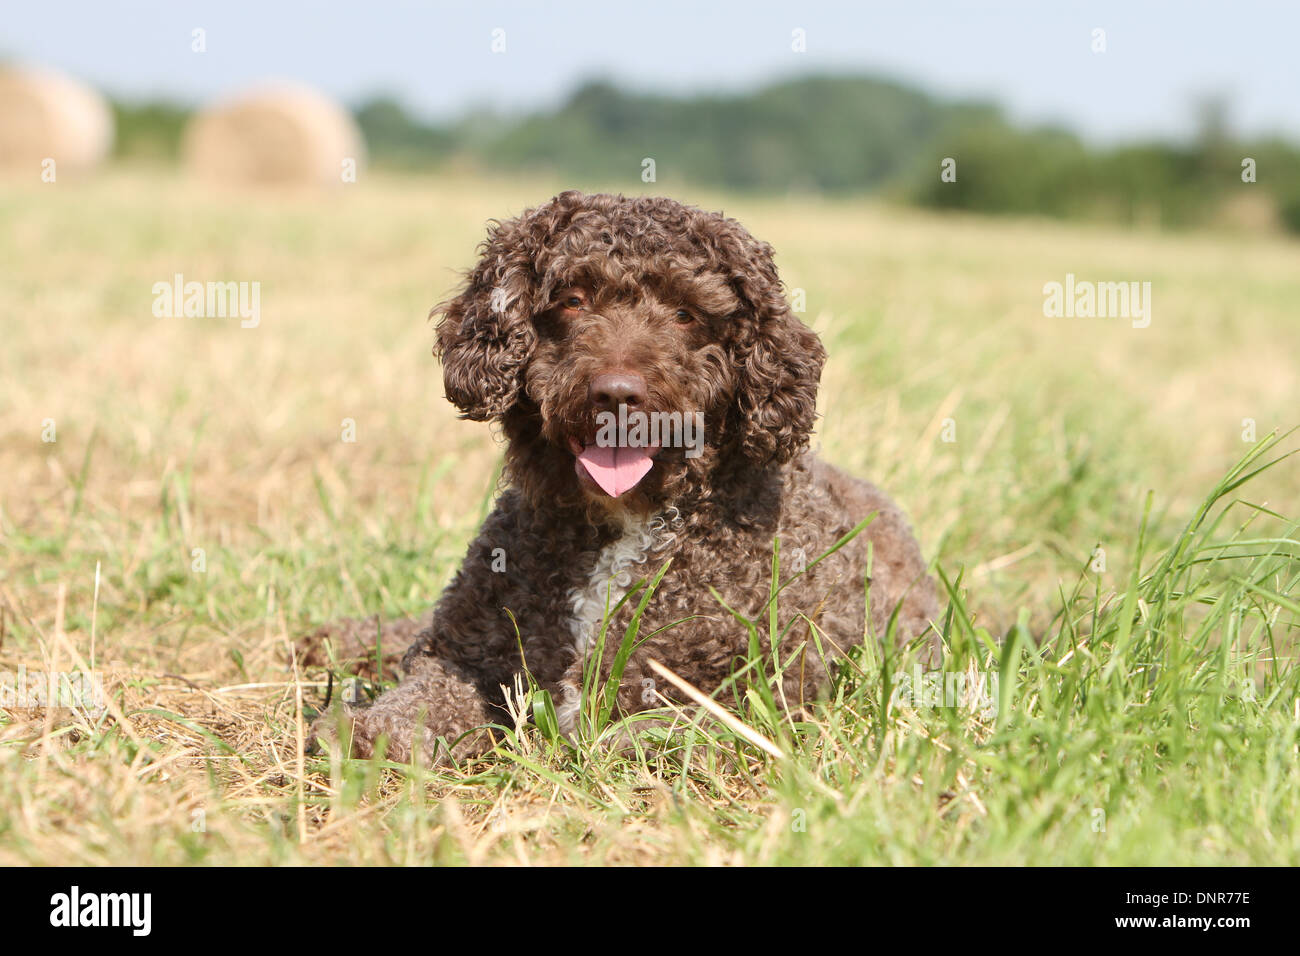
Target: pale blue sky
[1033, 57]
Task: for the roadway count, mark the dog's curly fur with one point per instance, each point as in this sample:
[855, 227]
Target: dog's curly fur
[690, 305]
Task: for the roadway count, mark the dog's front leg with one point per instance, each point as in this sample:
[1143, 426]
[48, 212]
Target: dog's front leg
[435, 699]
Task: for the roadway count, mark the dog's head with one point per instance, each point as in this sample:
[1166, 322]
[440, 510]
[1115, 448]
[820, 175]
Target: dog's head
[628, 345]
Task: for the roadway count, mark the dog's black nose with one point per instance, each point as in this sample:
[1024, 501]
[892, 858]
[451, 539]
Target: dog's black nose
[609, 390]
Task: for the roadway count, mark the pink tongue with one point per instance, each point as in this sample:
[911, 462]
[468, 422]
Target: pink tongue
[616, 469]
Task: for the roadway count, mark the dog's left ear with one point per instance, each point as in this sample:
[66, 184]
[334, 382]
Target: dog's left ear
[779, 361]
[486, 333]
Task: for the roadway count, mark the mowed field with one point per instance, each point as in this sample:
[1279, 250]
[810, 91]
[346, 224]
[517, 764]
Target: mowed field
[198, 510]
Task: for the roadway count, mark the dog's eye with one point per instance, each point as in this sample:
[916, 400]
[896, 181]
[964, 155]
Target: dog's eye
[573, 302]
[684, 316]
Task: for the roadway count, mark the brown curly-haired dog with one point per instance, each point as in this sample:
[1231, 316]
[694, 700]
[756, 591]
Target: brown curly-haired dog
[599, 303]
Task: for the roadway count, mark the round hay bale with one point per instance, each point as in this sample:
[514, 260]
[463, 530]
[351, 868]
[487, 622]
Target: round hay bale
[46, 115]
[285, 134]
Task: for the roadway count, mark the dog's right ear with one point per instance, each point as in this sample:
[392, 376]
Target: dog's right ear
[486, 333]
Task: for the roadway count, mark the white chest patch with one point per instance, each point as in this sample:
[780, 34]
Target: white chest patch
[620, 563]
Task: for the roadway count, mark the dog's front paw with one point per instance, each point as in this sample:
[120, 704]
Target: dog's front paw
[363, 732]
[334, 729]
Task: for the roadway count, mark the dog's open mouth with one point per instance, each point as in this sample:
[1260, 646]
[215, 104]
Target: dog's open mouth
[616, 469]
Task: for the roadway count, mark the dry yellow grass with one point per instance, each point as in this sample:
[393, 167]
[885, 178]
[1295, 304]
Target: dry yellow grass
[177, 434]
